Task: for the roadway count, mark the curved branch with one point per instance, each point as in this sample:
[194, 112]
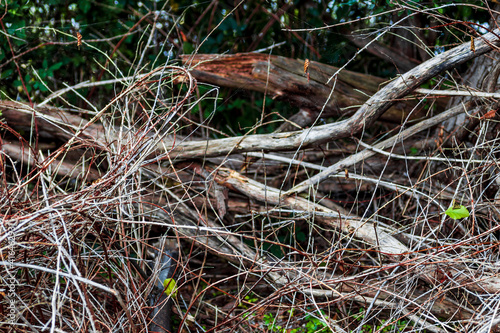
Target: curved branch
[365, 116]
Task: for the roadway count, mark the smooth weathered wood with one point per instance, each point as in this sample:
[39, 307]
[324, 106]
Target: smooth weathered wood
[380, 238]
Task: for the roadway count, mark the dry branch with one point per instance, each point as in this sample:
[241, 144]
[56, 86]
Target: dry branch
[285, 78]
[378, 237]
[363, 155]
[363, 118]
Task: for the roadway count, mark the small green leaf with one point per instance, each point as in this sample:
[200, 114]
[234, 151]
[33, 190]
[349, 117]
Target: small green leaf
[457, 212]
[170, 287]
[187, 48]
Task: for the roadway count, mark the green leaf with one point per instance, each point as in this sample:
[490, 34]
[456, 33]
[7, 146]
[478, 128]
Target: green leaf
[300, 236]
[170, 287]
[457, 212]
[55, 66]
[6, 73]
[85, 6]
[187, 48]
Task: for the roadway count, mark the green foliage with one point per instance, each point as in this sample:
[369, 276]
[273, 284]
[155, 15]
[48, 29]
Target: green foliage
[286, 236]
[170, 287]
[399, 326]
[270, 323]
[456, 211]
[312, 324]
[413, 151]
[42, 35]
[251, 298]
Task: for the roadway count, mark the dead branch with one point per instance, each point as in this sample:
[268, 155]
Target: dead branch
[363, 118]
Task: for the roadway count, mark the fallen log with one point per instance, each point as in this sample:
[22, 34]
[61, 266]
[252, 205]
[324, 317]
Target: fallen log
[285, 78]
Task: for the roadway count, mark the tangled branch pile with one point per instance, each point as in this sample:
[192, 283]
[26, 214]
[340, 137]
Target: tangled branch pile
[276, 231]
